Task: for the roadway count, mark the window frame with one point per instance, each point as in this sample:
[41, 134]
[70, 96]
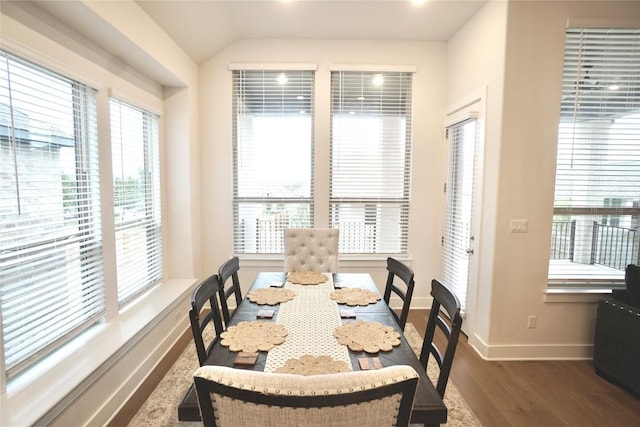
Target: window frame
[130, 281]
[393, 103]
[586, 49]
[267, 238]
[84, 208]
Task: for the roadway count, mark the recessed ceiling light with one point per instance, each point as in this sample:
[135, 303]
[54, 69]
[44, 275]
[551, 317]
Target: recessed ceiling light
[299, 97]
[418, 2]
[361, 98]
[614, 87]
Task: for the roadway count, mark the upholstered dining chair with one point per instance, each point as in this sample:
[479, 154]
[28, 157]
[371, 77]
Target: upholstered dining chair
[204, 336]
[450, 327]
[229, 270]
[246, 398]
[404, 291]
[311, 249]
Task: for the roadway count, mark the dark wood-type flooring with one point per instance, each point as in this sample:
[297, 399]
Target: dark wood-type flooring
[504, 393]
[536, 393]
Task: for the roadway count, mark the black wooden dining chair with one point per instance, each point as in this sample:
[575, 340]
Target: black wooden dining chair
[229, 270]
[204, 336]
[230, 397]
[403, 291]
[450, 327]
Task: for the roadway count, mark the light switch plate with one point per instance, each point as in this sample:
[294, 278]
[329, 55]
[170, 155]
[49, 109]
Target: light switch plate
[519, 226]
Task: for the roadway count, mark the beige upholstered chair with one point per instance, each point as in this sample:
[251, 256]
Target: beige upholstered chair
[246, 398]
[311, 249]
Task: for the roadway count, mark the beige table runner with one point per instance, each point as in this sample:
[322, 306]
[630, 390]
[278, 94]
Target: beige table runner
[310, 320]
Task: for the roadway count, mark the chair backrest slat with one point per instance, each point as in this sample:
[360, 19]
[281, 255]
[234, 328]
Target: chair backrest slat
[405, 274]
[229, 270]
[207, 290]
[450, 327]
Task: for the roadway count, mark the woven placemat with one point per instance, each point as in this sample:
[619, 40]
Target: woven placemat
[253, 336]
[312, 365]
[271, 296]
[306, 277]
[371, 337]
[354, 296]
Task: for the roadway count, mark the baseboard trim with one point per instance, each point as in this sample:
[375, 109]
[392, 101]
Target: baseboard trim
[530, 351]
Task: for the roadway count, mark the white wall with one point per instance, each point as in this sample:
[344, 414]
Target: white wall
[514, 49]
[522, 69]
[428, 145]
[475, 63]
[86, 382]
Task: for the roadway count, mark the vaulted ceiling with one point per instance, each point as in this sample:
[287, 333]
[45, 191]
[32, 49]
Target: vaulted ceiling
[202, 28]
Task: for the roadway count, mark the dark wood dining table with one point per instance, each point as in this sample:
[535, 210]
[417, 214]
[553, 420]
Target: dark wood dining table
[428, 407]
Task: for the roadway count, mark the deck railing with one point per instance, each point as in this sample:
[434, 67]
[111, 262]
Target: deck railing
[355, 237]
[611, 246]
[563, 237]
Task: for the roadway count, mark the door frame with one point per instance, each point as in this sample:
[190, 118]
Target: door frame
[471, 106]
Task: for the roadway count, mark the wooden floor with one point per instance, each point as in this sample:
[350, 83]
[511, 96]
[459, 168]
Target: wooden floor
[544, 393]
[518, 394]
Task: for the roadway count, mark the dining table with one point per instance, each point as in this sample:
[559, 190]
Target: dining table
[310, 319]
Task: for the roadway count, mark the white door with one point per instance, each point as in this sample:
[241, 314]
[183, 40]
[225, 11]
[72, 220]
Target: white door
[460, 235]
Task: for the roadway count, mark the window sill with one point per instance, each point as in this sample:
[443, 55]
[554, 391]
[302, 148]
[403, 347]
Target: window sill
[34, 393]
[578, 295]
[274, 262]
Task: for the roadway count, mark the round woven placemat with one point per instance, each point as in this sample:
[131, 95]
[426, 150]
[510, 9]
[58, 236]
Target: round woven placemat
[312, 365]
[253, 336]
[306, 277]
[271, 296]
[371, 337]
[354, 296]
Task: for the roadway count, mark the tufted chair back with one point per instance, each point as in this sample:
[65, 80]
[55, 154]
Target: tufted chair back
[311, 249]
[246, 398]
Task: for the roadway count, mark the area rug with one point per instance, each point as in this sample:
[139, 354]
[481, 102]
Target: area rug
[161, 408]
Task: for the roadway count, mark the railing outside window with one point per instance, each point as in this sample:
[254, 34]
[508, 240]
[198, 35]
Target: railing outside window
[611, 246]
[563, 236]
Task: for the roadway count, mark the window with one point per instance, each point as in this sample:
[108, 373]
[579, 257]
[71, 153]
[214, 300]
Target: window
[370, 160]
[273, 157]
[596, 208]
[136, 198]
[51, 272]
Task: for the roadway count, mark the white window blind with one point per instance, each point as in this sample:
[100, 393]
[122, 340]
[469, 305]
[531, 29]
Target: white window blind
[597, 192]
[370, 160]
[136, 198]
[51, 272]
[460, 190]
[273, 156]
